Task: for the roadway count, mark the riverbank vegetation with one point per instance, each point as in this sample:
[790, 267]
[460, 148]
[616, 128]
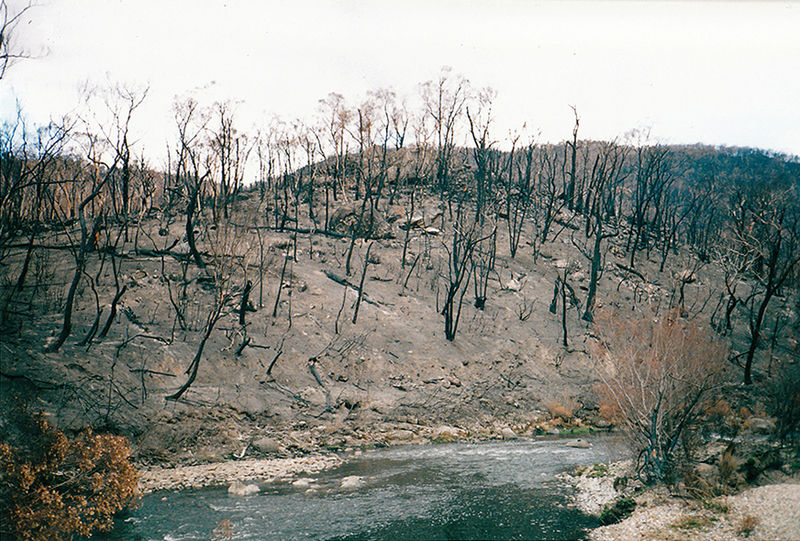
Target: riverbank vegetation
[55, 487]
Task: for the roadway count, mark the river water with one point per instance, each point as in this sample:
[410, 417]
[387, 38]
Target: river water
[495, 490]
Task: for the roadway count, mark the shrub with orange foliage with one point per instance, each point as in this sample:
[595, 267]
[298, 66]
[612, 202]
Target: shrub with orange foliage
[54, 487]
[563, 410]
[655, 372]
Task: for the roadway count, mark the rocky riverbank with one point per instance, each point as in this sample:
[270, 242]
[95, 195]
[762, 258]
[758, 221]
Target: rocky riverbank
[272, 457]
[222, 473]
[767, 512]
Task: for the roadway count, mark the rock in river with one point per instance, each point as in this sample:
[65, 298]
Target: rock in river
[238, 488]
[352, 481]
[579, 444]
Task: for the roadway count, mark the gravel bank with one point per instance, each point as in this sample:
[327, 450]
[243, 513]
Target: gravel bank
[224, 473]
[770, 512]
[595, 485]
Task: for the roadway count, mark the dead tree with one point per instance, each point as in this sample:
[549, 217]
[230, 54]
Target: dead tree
[191, 124]
[9, 51]
[444, 101]
[231, 150]
[27, 175]
[564, 293]
[336, 118]
[226, 261]
[653, 176]
[286, 258]
[80, 254]
[606, 170]
[480, 121]
[571, 150]
[548, 193]
[518, 194]
[774, 244]
[483, 261]
[361, 283]
[409, 213]
[122, 102]
[466, 236]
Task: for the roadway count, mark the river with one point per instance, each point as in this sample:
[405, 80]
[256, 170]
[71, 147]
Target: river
[493, 490]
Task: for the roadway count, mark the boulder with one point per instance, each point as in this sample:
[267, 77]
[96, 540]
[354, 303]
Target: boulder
[238, 488]
[400, 435]
[508, 433]
[352, 481]
[394, 213]
[512, 285]
[603, 424]
[347, 219]
[445, 434]
[579, 444]
[416, 221]
[302, 482]
[266, 445]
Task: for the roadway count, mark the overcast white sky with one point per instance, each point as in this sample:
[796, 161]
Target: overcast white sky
[712, 72]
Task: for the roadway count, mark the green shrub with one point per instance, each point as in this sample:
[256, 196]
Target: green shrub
[783, 402]
[617, 511]
[598, 470]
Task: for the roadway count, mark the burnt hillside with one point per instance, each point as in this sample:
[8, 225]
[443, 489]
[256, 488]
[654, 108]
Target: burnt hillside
[399, 285]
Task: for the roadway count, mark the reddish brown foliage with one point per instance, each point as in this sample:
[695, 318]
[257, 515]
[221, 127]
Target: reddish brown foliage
[59, 486]
[655, 372]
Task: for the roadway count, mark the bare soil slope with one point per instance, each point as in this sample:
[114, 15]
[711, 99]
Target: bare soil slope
[391, 370]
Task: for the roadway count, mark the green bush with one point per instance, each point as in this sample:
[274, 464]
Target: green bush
[783, 402]
[617, 511]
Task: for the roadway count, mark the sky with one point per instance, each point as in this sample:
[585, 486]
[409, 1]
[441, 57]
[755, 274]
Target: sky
[722, 73]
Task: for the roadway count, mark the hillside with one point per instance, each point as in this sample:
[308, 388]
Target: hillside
[284, 363]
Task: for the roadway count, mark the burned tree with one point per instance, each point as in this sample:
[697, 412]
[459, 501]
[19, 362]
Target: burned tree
[444, 101]
[466, 237]
[653, 175]
[80, 253]
[226, 265]
[571, 154]
[9, 51]
[519, 194]
[606, 171]
[772, 241]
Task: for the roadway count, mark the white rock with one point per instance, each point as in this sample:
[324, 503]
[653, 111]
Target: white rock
[238, 488]
[446, 434]
[352, 481]
[579, 444]
[508, 433]
[513, 285]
